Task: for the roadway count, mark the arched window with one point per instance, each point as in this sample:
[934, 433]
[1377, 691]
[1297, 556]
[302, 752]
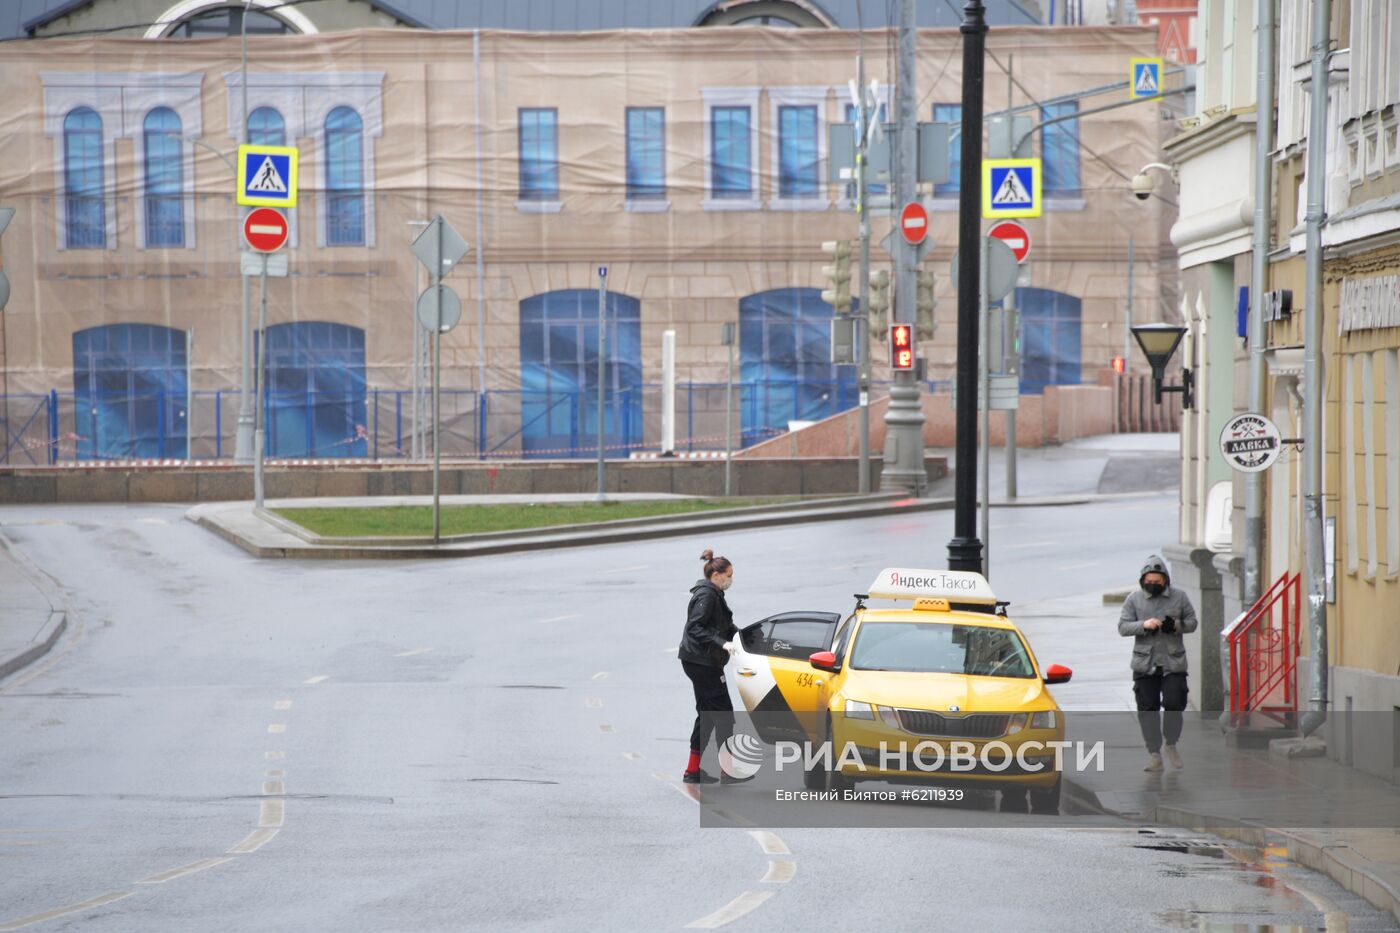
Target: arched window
[345, 194]
[165, 214]
[219, 21]
[316, 390]
[129, 391]
[266, 128]
[782, 14]
[1050, 339]
[785, 362]
[85, 222]
[559, 374]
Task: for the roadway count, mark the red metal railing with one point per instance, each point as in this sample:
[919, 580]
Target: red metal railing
[1264, 651]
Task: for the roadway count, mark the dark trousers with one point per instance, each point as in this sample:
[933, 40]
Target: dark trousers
[714, 713]
[1160, 692]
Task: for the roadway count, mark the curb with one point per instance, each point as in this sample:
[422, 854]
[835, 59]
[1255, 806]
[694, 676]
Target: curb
[1334, 860]
[569, 536]
[43, 643]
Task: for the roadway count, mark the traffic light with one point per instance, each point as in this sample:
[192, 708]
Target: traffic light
[901, 347]
[839, 274]
[924, 303]
[879, 310]
[1119, 365]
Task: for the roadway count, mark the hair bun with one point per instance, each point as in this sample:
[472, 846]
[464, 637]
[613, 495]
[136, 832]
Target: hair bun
[707, 554]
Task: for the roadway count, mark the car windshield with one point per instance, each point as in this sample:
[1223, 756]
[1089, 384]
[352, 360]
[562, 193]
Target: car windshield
[944, 649]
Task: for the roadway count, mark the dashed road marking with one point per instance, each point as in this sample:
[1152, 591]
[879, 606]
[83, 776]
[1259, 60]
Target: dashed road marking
[573, 615]
[271, 813]
[190, 869]
[670, 650]
[606, 728]
[732, 911]
[88, 904]
[277, 728]
[282, 704]
[688, 791]
[601, 675]
[277, 773]
[769, 843]
[274, 756]
[273, 788]
[409, 654]
[317, 679]
[634, 756]
[780, 871]
[625, 569]
[254, 841]
[594, 702]
[1080, 566]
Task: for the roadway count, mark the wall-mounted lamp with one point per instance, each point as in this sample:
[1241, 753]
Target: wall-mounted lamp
[1159, 342]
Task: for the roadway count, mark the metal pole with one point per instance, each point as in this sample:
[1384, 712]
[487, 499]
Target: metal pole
[863, 220]
[1258, 281]
[984, 404]
[189, 395]
[904, 419]
[437, 388]
[1313, 385]
[260, 429]
[602, 328]
[965, 550]
[729, 425]
[243, 436]
[480, 236]
[1008, 318]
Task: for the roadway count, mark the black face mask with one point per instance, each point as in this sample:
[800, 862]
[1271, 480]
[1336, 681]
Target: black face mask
[1154, 589]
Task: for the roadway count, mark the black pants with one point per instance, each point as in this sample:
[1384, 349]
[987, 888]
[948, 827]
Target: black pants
[1160, 692]
[714, 713]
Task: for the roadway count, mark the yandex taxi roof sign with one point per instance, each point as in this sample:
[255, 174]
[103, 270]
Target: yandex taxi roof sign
[958, 586]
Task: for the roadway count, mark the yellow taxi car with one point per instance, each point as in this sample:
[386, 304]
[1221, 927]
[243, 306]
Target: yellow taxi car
[940, 688]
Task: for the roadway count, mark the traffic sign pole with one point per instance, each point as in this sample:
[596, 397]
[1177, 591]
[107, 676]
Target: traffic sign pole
[260, 418]
[437, 397]
[602, 344]
[984, 402]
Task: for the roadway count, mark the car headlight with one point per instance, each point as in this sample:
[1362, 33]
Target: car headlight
[1017, 723]
[889, 716]
[855, 709]
[1043, 720]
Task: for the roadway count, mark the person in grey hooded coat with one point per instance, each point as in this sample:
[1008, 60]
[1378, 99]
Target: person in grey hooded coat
[1156, 616]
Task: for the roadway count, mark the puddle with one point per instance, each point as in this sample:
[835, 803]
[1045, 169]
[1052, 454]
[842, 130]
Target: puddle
[1209, 921]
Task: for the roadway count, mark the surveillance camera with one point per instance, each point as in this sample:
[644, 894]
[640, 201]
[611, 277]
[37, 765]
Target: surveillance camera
[1142, 186]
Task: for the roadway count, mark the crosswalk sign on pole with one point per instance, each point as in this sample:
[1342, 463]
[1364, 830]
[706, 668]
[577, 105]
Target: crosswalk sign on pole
[1145, 78]
[1011, 188]
[267, 176]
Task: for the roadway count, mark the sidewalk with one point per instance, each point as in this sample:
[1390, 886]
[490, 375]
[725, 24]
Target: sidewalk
[29, 624]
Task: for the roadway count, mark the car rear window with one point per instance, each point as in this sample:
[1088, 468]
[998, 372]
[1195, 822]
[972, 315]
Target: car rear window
[934, 648]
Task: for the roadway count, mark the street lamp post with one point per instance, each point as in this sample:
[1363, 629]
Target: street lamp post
[243, 438]
[1158, 343]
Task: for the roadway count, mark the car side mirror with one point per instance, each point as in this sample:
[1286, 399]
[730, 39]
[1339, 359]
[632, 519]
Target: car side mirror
[1058, 674]
[824, 661]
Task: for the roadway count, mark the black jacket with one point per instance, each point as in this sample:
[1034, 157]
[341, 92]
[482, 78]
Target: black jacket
[708, 625]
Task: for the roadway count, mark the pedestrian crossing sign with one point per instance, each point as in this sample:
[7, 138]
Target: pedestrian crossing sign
[1145, 78]
[267, 176]
[1011, 188]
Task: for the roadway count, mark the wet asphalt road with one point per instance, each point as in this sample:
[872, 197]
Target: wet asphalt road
[226, 743]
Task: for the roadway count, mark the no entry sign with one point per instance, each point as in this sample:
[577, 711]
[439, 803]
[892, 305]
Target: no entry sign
[265, 230]
[1015, 236]
[913, 223]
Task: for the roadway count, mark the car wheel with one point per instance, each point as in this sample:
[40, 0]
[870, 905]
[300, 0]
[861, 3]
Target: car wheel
[814, 776]
[1013, 800]
[1046, 799]
[835, 780]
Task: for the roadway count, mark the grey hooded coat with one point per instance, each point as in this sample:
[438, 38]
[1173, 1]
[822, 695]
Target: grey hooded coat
[1152, 650]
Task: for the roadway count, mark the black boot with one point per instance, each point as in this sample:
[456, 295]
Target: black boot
[698, 776]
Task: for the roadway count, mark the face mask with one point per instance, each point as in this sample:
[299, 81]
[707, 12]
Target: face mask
[724, 584]
[1154, 589]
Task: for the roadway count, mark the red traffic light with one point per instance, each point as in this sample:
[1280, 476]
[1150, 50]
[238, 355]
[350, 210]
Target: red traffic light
[1119, 364]
[902, 346]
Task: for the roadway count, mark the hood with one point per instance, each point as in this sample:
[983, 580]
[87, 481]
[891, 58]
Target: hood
[1154, 564]
[701, 584]
[937, 692]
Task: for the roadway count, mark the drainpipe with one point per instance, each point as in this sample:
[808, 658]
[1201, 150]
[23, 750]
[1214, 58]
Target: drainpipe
[1312, 382]
[1263, 190]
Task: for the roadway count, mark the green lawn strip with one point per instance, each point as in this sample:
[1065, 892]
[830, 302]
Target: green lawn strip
[417, 520]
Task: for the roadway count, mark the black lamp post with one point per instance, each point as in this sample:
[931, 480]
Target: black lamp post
[1158, 343]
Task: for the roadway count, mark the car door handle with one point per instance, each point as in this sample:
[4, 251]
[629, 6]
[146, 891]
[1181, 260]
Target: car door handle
[746, 672]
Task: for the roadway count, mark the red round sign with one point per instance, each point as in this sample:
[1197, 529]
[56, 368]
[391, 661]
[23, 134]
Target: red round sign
[913, 223]
[1015, 236]
[265, 230]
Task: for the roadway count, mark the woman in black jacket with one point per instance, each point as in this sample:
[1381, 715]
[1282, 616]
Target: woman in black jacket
[706, 644]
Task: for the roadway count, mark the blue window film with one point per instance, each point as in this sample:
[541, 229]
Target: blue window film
[559, 374]
[165, 209]
[85, 222]
[785, 362]
[797, 152]
[129, 388]
[1050, 339]
[1060, 149]
[315, 390]
[853, 116]
[730, 172]
[539, 153]
[646, 152]
[266, 128]
[950, 113]
[345, 169]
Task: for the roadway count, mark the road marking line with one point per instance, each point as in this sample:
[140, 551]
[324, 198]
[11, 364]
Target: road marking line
[254, 841]
[282, 704]
[780, 871]
[732, 911]
[606, 728]
[273, 789]
[316, 680]
[634, 756]
[687, 791]
[186, 870]
[409, 654]
[625, 569]
[277, 728]
[769, 843]
[278, 773]
[272, 812]
[88, 904]
[559, 618]
[670, 650]
[1083, 566]
[601, 675]
[274, 756]
[594, 702]
[1026, 544]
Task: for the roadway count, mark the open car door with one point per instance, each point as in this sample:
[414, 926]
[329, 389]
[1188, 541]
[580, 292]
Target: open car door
[776, 681]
